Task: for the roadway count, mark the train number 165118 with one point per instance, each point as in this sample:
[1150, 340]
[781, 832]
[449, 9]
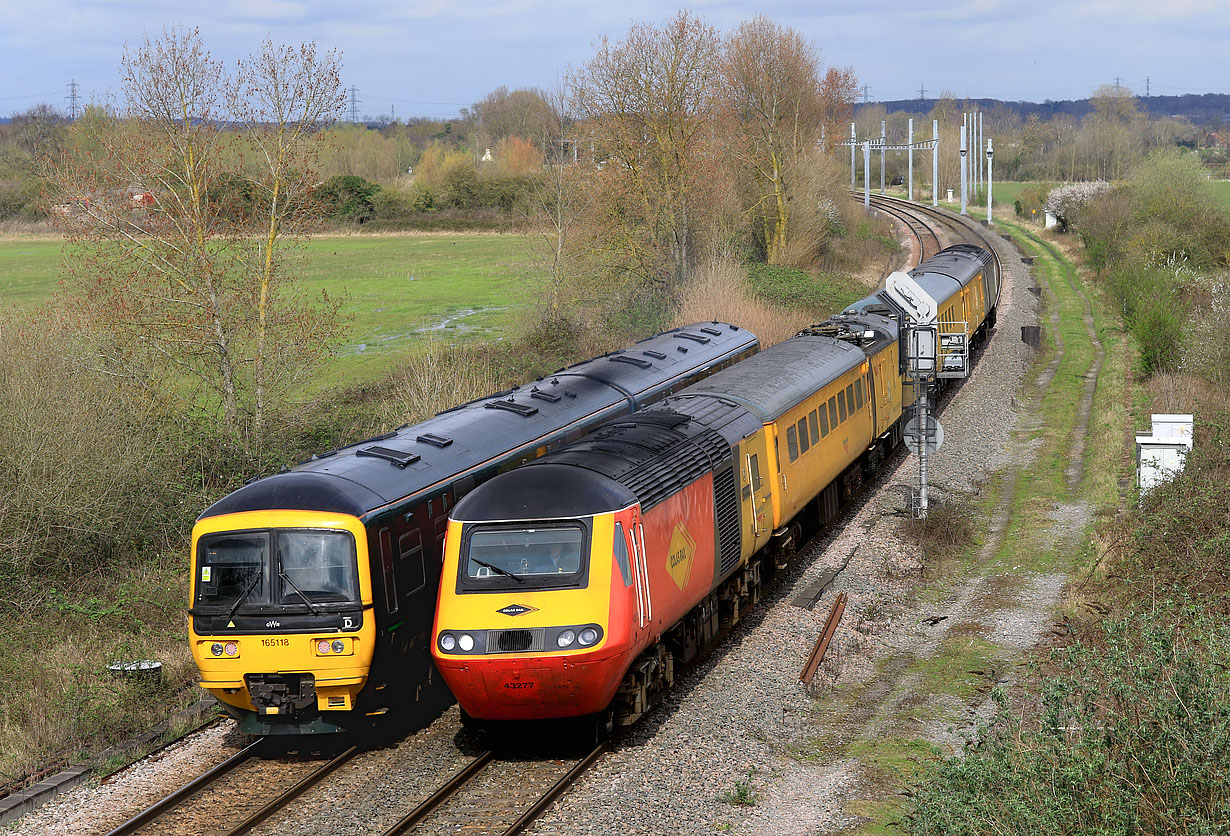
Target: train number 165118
[275, 642]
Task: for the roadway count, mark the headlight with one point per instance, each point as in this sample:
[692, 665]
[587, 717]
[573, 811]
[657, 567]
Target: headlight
[322, 647]
[216, 648]
[339, 646]
[588, 636]
[466, 642]
[231, 649]
[566, 638]
[447, 642]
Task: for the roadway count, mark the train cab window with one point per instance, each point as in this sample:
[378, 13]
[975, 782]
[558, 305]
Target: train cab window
[841, 404]
[824, 420]
[858, 394]
[410, 550]
[792, 442]
[850, 398]
[317, 567]
[814, 427]
[546, 557]
[804, 444]
[833, 413]
[231, 568]
[621, 555]
[756, 480]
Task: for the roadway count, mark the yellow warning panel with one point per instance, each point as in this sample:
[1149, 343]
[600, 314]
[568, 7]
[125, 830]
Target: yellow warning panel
[680, 556]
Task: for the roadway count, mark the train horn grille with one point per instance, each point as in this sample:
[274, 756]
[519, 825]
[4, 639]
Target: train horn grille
[515, 641]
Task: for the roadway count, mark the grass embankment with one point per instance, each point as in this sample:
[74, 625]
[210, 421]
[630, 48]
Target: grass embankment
[1045, 534]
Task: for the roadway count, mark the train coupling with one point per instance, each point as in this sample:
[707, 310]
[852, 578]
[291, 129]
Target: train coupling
[281, 694]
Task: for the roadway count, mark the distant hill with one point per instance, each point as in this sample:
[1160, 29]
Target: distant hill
[1200, 109]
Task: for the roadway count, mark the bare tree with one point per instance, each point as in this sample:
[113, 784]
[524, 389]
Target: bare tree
[503, 113]
[561, 201]
[649, 101]
[175, 242]
[285, 96]
[771, 95]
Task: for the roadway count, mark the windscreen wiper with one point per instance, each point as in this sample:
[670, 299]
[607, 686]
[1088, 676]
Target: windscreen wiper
[516, 578]
[243, 597]
[315, 610]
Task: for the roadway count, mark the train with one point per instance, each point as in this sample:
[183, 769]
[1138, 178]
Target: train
[312, 591]
[577, 585]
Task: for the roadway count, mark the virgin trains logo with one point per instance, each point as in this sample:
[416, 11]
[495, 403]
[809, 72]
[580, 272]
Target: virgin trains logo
[516, 609]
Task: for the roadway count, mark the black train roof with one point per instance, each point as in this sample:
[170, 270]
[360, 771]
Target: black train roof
[645, 457]
[362, 478]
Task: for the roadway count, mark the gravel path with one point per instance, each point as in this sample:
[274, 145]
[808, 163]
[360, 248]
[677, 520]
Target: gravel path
[740, 726]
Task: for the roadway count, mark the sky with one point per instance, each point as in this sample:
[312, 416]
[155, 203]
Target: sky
[432, 57]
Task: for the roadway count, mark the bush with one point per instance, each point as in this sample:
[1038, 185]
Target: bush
[348, 198]
[801, 292]
[1181, 535]
[1159, 326]
[1132, 739]
[86, 470]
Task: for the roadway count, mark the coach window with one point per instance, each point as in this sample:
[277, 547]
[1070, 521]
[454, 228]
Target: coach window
[858, 394]
[792, 443]
[804, 444]
[850, 398]
[824, 420]
[833, 413]
[814, 427]
[841, 404]
[756, 481]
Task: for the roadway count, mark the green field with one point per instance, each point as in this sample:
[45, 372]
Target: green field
[401, 290]
[1005, 193]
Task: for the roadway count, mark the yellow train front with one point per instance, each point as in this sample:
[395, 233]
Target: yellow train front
[281, 624]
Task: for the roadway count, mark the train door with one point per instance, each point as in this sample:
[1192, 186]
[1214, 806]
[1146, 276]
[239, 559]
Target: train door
[754, 494]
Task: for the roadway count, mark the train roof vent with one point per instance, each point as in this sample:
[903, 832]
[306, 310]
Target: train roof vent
[663, 418]
[522, 409]
[549, 397]
[682, 464]
[434, 440]
[657, 355]
[711, 331]
[632, 361]
[401, 458]
[684, 335]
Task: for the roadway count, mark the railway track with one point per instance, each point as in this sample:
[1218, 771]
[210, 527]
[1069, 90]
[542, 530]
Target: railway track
[233, 797]
[964, 230]
[927, 236]
[496, 795]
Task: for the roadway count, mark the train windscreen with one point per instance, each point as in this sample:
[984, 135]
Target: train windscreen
[524, 557]
[287, 569]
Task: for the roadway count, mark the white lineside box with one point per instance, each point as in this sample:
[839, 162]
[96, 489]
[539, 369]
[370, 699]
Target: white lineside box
[1161, 454]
